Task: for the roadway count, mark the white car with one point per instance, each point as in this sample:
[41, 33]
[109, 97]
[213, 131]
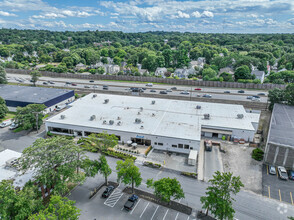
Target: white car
[5, 123]
[185, 92]
[282, 173]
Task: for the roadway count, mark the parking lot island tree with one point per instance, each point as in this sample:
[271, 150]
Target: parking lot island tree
[35, 74]
[128, 173]
[3, 108]
[54, 161]
[58, 208]
[102, 141]
[218, 199]
[30, 116]
[18, 204]
[105, 169]
[166, 189]
[3, 79]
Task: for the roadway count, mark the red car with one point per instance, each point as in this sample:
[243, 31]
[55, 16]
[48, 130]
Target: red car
[73, 84]
[199, 89]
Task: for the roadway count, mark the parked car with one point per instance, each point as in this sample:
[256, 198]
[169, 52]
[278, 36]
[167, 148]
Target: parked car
[91, 81]
[249, 97]
[13, 126]
[185, 92]
[207, 96]
[107, 191]
[261, 94]
[173, 88]
[129, 205]
[227, 92]
[74, 84]
[6, 123]
[60, 107]
[152, 90]
[272, 170]
[291, 174]
[282, 173]
[162, 92]
[149, 84]
[208, 145]
[241, 91]
[86, 87]
[198, 89]
[105, 87]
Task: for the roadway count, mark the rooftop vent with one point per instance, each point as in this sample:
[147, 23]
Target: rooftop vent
[104, 122]
[93, 117]
[138, 120]
[119, 123]
[62, 116]
[94, 96]
[141, 127]
[141, 108]
[118, 118]
[240, 116]
[111, 122]
[153, 114]
[153, 102]
[139, 113]
[106, 101]
[198, 107]
[207, 116]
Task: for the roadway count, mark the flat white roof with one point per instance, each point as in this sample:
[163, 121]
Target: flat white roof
[166, 117]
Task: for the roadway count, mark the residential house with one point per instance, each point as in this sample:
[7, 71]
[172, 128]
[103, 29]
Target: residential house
[109, 60]
[227, 69]
[139, 66]
[66, 50]
[198, 63]
[281, 70]
[143, 71]
[95, 66]
[111, 69]
[181, 73]
[35, 54]
[258, 75]
[26, 54]
[160, 71]
[80, 66]
[123, 64]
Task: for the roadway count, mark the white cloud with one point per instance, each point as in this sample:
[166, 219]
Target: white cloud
[183, 15]
[196, 14]
[7, 14]
[291, 21]
[207, 14]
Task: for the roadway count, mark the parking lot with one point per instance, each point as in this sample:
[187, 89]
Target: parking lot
[275, 188]
[112, 207]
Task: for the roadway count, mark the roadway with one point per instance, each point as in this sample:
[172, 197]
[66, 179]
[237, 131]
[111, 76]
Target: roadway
[116, 86]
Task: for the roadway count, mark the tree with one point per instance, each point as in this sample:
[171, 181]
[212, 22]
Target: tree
[166, 188]
[55, 161]
[208, 74]
[218, 195]
[243, 72]
[102, 141]
[18, 204]
[26, 117]
[3, 108]
[3, 79]
[105, 169]
[35, 76]
[128, 173]
[58, 208]
[100, 70]
[289, 94]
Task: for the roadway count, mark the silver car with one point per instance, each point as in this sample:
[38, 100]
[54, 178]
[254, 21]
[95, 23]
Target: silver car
[272, 170]
[282, 173]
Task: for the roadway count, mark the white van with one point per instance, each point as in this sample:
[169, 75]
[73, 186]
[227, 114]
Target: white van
[6, 123]
[149, 84]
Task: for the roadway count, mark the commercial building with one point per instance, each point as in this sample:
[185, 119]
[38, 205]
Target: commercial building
[279, 149]
[23, 95]
[165, 124]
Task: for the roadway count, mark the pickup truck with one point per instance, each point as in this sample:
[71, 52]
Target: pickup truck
[129, 205]
[208, 145]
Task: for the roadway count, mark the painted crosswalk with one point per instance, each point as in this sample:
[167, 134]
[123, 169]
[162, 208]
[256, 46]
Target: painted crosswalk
[113, 198]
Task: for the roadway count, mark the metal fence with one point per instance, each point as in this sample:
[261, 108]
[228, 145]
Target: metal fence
[154, 80]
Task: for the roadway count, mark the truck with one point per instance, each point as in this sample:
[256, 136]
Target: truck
[129, 205]
[208, 145]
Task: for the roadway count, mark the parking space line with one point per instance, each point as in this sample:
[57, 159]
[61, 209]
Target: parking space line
[154, 212]
[177, 216]
[144, 209]
[135, 206]
[269, 191]
[280, 195]
[188, 218]
[165, 214]
[291, 198]
[277, 173]
[267, 169]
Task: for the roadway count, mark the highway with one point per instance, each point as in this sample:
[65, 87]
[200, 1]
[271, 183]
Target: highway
[118, 87]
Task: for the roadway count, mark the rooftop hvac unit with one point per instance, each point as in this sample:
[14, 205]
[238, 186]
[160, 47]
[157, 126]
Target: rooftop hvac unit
[118, 118]
[198, 107]
[106, 101]
[94, 96]
[141, 108]
[104, 122]
[153, 102]
[138, 120]
[240, 116]
[93, 117]
[119, 123]
[153, 114]
[111, 122]
[62, 116]
[206, 116]
[141, 127]
[11, 162]
[139, 113]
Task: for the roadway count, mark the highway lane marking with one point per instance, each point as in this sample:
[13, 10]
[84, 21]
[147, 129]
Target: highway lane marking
[144, 209]
[269, 191]
[280, 195]
[267, 169]
[177, 216]
[135, 206]
[165, 214]
[291, 198]
[154, 212]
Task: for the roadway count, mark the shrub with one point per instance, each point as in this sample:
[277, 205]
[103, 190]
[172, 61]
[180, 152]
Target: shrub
[148, 150]
[49, 134]
[257, 154]
[118, 154]
[150, 164]
[192, 175]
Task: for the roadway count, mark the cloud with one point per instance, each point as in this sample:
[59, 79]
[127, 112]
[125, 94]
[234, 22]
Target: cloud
[7, 14]
[182, 15]
[196, 14]
[207, 14]
[291, 21]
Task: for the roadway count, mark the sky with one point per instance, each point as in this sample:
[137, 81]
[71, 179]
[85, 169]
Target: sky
[205, 16]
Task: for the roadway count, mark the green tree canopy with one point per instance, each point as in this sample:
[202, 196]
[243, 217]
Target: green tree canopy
[166, 189]
[3, 108]
[243, 72]
[3, 79]
[208, 73]
[35, 76]
[102, 141]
